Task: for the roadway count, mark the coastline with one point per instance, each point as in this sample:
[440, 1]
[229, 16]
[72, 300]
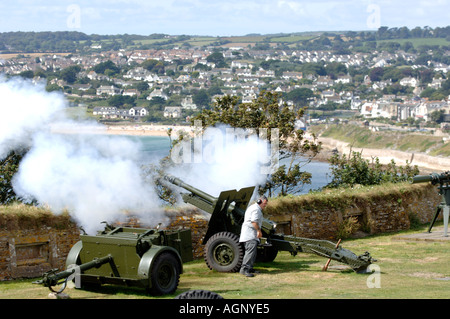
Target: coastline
[423, 161]
[426, 163]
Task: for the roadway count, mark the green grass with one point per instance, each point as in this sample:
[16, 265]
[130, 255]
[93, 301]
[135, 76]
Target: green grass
[408, 270]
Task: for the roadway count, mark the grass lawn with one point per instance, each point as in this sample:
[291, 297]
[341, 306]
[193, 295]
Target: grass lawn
[405, 270]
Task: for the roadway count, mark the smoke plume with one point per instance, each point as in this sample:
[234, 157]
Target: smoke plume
[223, 158]
[95, 177]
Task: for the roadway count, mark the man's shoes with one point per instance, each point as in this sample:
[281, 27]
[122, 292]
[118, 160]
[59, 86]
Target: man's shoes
[246, 273]
[253, 271]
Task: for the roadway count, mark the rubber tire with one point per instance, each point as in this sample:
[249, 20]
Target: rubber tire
[266, 254]
[198, 294]
[226, 246]
[165, 274]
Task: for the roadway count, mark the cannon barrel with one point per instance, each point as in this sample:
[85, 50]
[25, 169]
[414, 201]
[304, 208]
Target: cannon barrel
[434, 178]
[176, 181]
[52, 278]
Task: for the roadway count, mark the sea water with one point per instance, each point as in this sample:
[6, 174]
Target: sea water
[154, 148]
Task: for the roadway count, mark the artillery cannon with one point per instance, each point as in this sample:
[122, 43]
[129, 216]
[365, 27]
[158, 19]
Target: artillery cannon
[224, 253]
[443, 179]
[147, 258]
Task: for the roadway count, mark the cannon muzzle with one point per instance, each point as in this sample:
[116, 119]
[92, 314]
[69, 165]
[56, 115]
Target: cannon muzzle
[434, 178]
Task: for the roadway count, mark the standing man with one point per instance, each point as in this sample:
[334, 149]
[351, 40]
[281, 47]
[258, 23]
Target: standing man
[250, 234]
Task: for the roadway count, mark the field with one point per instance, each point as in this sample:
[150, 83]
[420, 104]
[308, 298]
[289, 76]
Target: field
[405, 269]
[7, 56]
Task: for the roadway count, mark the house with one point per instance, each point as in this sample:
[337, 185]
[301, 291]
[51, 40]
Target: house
[409, 81]
[243, 72]
[81, 87]
[172, 111]
[324, 81]
[105, 111]
[436, 83]
[240, 64]
[183, 78]
[188, 103]
[157, 93]
[108, 90]
[344, 79]
[405, 111]
[425, 108]
[377, 109]
[131, 92]
[291, 75]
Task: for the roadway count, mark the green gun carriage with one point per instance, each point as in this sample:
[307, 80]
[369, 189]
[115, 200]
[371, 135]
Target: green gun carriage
[138, 257]
[224, 253]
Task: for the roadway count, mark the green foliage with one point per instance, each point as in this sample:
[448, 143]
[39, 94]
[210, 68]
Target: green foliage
[121, 100]
[8, 167]
[107, 68]
[217, 58]
[351, 170]
[69, 74]
[154, 66]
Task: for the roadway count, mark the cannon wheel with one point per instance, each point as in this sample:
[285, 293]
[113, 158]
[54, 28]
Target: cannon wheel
[224, 253]
[266, 254]
[165, 274]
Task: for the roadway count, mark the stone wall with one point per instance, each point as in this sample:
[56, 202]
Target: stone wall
[29, 247]
[377, 211]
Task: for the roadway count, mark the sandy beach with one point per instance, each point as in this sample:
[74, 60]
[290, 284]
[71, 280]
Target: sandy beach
[136, 130]
[146, 130]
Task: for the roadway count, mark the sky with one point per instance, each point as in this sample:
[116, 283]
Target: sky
[219, 18]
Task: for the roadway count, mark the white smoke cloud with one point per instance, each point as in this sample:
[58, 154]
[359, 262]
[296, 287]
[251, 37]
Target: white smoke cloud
[222, 159]
[95, 177]
[25, 110]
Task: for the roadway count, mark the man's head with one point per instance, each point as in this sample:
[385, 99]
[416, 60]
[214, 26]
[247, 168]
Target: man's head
[262, 202]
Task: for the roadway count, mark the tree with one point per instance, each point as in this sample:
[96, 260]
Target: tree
[300, 96]
[69, 74]
[8, 168]
[217, 58]
[265, 112]
[154, 66]
[121, 100]
[201, 98]
[104, 66]
[376, 74]
[437, 116]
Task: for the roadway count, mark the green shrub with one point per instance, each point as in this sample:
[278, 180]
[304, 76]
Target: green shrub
[351, 170]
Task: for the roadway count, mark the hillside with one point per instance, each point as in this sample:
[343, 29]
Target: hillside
[424, 149]
[345, 41]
